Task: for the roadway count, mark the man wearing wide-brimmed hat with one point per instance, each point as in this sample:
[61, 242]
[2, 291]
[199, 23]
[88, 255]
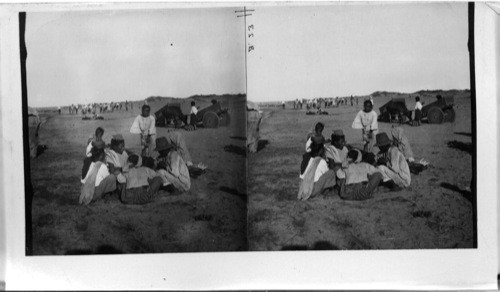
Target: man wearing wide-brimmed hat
[171, 167]
[392, 163]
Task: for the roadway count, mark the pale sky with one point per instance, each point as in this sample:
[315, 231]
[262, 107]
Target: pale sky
[94, 56]
[339, 50]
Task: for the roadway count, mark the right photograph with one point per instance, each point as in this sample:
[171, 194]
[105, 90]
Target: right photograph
[361, 127]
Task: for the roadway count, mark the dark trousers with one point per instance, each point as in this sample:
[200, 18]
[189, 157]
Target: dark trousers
[361, 191]
[142, 195]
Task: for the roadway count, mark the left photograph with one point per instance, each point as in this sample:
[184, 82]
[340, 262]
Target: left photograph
[135, 126]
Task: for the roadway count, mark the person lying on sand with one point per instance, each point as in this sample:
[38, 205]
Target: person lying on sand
[361, 179]
[143, 184]
[171, 167]
[144, 124]
[96, 180]
[366, 120]
[400, 141]
[392, 163]
[316, 177]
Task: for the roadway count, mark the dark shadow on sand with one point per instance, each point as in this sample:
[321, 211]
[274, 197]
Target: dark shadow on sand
[103, 249]
[233, 192]
[466, 147]
[238, 150]
[319, 245]
[466, 194]
[463, 134]
[262, 144]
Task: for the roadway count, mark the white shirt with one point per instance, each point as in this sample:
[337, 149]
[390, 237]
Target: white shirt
[308, 145]
[102, 173]
[194, 110]
[338, 155]
[358, 172]
[320, 170]
[418, 106]
[143, 125]
[88, 152]
[366, 121]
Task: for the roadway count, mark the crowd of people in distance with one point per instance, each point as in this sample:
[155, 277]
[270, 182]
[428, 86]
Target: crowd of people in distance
[164, 164]
[323, 102]
[356, 173]
[94, 109]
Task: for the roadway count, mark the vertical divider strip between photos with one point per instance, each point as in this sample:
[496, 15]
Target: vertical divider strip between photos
[472, 75]
[28, 196]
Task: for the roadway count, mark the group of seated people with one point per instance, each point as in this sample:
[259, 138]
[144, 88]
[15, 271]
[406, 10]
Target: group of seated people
[354, 173]
[137, 179]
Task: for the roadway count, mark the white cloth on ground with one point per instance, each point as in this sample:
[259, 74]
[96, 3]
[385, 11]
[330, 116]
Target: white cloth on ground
[320, 170]
[102, 173]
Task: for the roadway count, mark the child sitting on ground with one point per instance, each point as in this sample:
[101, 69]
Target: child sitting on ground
[142, 184]
[97, 137]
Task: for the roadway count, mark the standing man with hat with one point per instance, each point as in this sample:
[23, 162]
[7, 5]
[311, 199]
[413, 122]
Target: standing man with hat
[366, 120]
[392, 163]
[144, 124]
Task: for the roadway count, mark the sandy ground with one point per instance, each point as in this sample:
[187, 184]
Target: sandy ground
[210, 217]
[434, 212]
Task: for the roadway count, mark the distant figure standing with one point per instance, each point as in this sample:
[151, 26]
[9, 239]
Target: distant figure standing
[144, 124]
[59, 109]
[352, 100]
[366, 120]
[357, 100]
[418, 112]
[192, 114]
[283, 104]
[126, 106]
